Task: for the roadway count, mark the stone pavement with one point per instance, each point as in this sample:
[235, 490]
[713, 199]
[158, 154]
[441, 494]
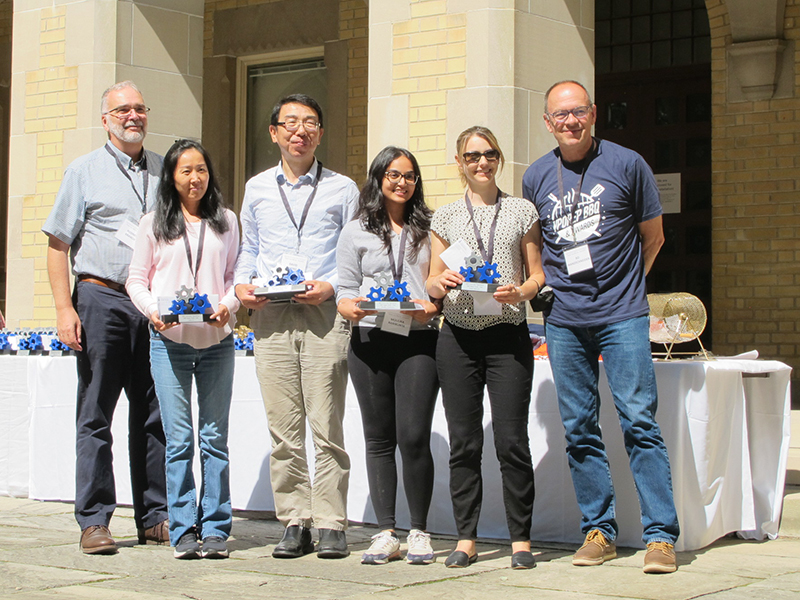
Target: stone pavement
[39, 559]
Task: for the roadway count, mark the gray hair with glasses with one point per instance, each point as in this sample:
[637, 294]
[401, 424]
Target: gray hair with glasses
[114, 88]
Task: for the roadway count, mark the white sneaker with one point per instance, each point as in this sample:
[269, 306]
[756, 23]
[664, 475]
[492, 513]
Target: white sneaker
[420, 551]
[385, 547]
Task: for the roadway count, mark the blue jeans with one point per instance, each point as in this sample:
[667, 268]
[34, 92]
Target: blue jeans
[574, 353]
[173, 366]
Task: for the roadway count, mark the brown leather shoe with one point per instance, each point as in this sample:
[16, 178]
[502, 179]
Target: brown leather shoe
[96, 539]
[157, 534]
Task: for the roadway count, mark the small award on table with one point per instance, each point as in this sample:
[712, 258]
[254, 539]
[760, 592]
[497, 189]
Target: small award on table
[388, 294]
[187, 306]
[285, 283]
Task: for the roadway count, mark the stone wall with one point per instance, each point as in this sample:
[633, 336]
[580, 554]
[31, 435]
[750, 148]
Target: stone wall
[756, 204]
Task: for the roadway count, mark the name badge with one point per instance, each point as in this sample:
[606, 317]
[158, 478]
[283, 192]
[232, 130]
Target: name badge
[395, 322]
[578, 259]
[294, 261]
[127, 233]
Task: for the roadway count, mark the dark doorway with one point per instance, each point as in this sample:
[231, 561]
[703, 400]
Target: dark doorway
[653, 88]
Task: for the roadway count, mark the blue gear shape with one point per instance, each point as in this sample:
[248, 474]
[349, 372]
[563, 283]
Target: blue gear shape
[467, 273]
[375, 294]
[4, 345]
[178, 307]
[398, 291]
[293, 277]
[488, 272]
[199, 303]
[36, 342]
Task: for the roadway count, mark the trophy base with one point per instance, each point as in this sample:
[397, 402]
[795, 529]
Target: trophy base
[187, 318]
[387, 305]
[470, 286]
[280, 293]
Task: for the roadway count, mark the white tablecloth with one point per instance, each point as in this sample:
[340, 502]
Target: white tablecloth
[727, 432]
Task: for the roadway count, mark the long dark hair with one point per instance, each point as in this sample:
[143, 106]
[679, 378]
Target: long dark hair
[372, 207]
[169, 223]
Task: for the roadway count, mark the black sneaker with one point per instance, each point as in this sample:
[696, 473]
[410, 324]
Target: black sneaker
[187, 547]
[214, 547]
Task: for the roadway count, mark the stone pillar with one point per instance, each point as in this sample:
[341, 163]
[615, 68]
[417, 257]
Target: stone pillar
[64, 56]
[437, 67]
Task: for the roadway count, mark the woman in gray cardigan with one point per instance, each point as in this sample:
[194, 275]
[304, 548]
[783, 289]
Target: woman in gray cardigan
[384, 255]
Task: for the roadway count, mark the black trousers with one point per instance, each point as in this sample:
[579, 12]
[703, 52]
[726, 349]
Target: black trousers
[396, 385]
[116, 356]
[499, 358]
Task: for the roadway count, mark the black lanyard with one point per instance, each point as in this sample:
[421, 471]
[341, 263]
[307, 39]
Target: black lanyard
[397, 273]
[306, 208]
[562, 200]
[487, 256]
[196, 271]
[128, 175]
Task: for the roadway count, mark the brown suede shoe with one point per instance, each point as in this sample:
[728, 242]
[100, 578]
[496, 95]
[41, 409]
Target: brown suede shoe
[660, 558]
[157, 534]
[596, 550]
[96, 539]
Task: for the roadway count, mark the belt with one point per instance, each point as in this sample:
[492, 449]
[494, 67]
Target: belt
[113, 285]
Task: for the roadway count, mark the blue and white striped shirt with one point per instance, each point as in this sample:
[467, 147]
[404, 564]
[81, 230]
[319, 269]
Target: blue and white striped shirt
[93, 202]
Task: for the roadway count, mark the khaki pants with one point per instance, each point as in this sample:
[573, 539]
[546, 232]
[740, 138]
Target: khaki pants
[301, 364]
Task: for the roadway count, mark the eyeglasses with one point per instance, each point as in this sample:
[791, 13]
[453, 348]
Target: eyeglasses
[292, 125]
[472, 157]
[123, 111]
[579, 112]
[394, 176]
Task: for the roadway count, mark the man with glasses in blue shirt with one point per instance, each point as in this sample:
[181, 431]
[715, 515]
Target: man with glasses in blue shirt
[93, 222]
[292, 215]
[600, 219]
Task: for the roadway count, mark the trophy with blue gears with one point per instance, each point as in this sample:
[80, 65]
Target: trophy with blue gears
[388, 294]
[479, 275]
[187, 306]
[285, 283]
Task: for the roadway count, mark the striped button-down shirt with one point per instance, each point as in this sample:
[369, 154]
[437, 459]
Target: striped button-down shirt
[94, 201]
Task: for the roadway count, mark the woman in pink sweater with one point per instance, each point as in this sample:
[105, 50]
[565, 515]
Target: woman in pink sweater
[183, 263]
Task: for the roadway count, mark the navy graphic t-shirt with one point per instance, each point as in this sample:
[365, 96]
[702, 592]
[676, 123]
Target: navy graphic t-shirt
[618, 192]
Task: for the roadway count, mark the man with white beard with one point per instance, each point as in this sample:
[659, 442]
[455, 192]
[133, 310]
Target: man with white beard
[102, 197]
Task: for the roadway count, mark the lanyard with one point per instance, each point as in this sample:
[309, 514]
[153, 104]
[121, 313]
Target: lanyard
[128, 175]
[487, 256]
[196, 270]
[562, 199]
[288, 208]
[398, 273]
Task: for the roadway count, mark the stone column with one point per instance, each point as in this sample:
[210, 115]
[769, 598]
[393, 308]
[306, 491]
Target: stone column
[64, 56]
[437, 67]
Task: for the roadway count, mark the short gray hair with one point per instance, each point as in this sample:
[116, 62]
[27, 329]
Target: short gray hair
[558, 83]
[114, 88]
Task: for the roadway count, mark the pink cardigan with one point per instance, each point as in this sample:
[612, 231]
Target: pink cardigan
[159, 269]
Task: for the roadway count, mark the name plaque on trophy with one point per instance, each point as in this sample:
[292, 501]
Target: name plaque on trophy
[389, 305]
[470, 286]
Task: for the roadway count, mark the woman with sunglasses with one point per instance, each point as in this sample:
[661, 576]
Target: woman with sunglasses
[185, 253]
[484, 341]
[394, 372]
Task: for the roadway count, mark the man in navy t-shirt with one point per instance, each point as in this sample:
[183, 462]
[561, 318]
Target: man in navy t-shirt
[600, 218]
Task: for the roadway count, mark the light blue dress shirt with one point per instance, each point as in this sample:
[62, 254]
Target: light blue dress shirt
[268, 231]
[93, 202]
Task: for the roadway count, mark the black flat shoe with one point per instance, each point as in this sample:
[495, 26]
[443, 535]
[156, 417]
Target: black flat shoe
[296, 542]
[522, 560]
[459, 559]
[332, 544]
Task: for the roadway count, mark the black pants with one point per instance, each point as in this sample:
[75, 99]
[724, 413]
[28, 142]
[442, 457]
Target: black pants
[116, 356]
[499, 358]
[395, 381]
